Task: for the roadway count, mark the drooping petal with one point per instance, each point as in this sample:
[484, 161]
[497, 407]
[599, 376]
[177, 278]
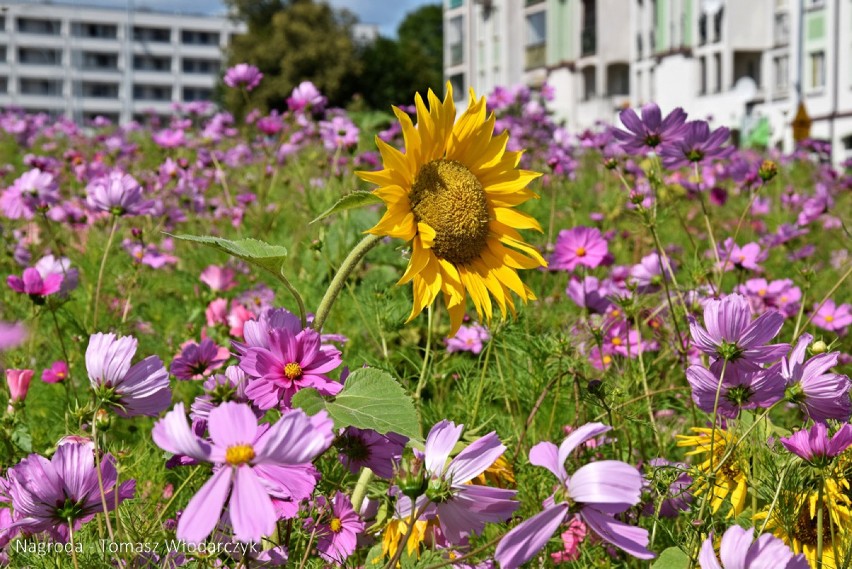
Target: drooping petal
[205, 508]
[173, 434]
[632, 539]
[546, 454]
[295, 439]
[529, 537]
[578, 437]
[250, 509]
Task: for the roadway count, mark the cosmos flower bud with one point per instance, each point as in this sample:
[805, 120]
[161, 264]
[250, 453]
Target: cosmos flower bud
[819, 347]
[768, 170]
[410, 476]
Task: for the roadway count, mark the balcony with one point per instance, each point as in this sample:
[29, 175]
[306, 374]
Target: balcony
[456, 54]
[589, 42]
[40, 27]
[535, 56]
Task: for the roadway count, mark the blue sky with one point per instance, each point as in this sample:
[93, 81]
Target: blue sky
[386, 13]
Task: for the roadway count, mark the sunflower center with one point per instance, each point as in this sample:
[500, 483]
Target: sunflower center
[450, 199]
[239, 454]
[292, 370]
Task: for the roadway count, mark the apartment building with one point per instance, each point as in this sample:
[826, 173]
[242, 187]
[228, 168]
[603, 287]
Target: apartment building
[739, 62]
[83, 62]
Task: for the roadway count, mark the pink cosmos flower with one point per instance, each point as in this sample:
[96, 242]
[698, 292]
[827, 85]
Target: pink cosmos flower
[740, 388]
[468, 339]
[814, 446]
[32, 191]
[248, 460]
[197, 361]
[337, 528]
[746, 257]
[56, 373]
[306, 96]
[117, 193]
[243, 75]
[833, 317]
[579, 246]
[596, 491]
[46, 494]
[339, 132]
[571, 540]
[739, 551]
[820, 394]
[11, 335]
[218, 278]
[217, 312]
[237, 318]
[18, 381]
[646, 134]
[33, 284]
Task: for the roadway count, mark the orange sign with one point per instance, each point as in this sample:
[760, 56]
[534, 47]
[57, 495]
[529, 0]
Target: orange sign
[801, 124]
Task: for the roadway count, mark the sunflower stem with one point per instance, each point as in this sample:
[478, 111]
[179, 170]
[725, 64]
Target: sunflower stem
[339, 280]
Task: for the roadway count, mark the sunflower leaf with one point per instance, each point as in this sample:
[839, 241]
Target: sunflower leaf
[370, 399]
[254, 251]
[350, 201]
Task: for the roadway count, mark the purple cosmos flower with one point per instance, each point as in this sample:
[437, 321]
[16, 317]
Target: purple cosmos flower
[762, 295]
[740, 388]
[648, 275]
[697, 144]
[46, 494]
[468, 339]
[141, 389]
[34, 285]
[339, 132]
[56, 373]
[833, 317]
[50, 265]
[731, 335]
[243, 75]
[579, 246]
[463, 508]
[814, 446]
[738, 552]
[219, 389]
[336, 528]
[746, 257]
[117, 193]
[646, 134]
[218, 278]
[306, 96]
[590, 293]
[292, 362]
[820, 394]
[248, 459]
[11, 335]
[361, 448]
[597, 491]
[197, 361]
[33, 191]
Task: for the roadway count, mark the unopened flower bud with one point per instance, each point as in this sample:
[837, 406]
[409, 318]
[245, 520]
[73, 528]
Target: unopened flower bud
[819, 347]
[768, 170]
[411, 477]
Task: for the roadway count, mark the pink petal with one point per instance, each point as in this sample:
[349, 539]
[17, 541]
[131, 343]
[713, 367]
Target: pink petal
[439, 444]
[251, 510]
[578, 437]
[606, 482]
[232, 424]
[204, 510]
[295, 439]
[524, 541]
[172, 434]
[475, 459]
[546, 454]
[631, 539]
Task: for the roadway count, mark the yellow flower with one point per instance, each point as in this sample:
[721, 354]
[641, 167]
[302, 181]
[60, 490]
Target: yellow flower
[499, 474]
[452, 194]
[799, 529]
[729, 479]
[396, 530]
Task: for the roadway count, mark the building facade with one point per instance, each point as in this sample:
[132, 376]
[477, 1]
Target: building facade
[743, 63]
[121, 64]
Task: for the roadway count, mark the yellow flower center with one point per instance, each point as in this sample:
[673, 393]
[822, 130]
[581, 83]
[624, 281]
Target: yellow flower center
[450, 199]
[761, 292]
[239, 454]
[607, 360]
[580, 252]
[293, 371]
[616, 341]
[336, 525]
[829, 318]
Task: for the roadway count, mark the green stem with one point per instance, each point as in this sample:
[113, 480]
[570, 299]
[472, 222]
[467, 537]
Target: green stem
[176, 492]
[481, 386]
[100, 475]
[339, 280]
[421, 382]
[360, 491]
[101, 270]
[73, 545]
[303, 313]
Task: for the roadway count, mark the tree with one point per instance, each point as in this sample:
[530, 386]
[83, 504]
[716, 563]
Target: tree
[291, 42]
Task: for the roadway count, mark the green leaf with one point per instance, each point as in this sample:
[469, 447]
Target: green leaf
[22, 438]
[264, 255]
[350, 201]
[371, 399]
[375, 559]
[672, 558]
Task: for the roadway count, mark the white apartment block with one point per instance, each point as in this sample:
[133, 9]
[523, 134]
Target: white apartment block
[737, 61]
[82, 62]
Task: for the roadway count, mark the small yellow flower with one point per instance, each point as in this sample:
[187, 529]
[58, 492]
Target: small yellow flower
[396, 530]
[499, 474]
[730, 477]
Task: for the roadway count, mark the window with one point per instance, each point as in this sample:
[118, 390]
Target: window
[152, 35]
[197, 94]
[588, 39]
[192, 37]
[782, 28]
[781, 68]
[814, 3]
[589, 82]
[456, 4]
[817, 66]
[457, 81]
[39, 26]
[99, 60]
[653, 84]
[39, 56]
[94, 30]
[702, 29]
[202, 66]
[152, 63]
[455, 39]
[717, 67]
[98, 90]
[639, 46]
[618, 79]
[702, 76]
[152, 92]
[2, 54]
[536, 50]
[41, 87]
[640, 88]
[4, 85]
[717, 25]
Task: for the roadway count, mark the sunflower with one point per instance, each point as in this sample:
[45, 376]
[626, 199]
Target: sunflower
[729, 479]
[452, 194]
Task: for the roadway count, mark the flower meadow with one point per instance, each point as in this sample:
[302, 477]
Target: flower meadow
[443, 336]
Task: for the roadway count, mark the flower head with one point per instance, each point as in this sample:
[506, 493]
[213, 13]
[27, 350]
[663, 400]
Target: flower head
[11, 334]
[820, 394]
[218, 278]
[306, 96]
[337, 528]
[730, 477]
[243, 75]
[579, 246]
[361, 448]
[739, 551]
[698, 144]
[32, 283]
[833, 317]
[248, 458]
[738, 389]
[453, 194]
[814, 446]
[468, 339]
[141, 389]
[648, 133]
[57, 372]
[197, 361]
[117, 193]
[18, 382]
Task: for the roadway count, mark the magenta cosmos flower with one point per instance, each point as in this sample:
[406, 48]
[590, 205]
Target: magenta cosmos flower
[814, 446]
[46, 494]
[697, 144]
[730, 334]
[740, 388]
[462, 508]
[337, 528]
[579, 246]
[833, 317]
[739, 551]
[243, 75]
[468, 339]
[33, 191]
[141, 389]
[820, 394]
[246, 456]
[197, 361]
[361, 448]
[292, 362]
[32, 283]
[57, 372]
[595, 491]
[306, 96]
[218, 278]
[646, 134]
[117, 193]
